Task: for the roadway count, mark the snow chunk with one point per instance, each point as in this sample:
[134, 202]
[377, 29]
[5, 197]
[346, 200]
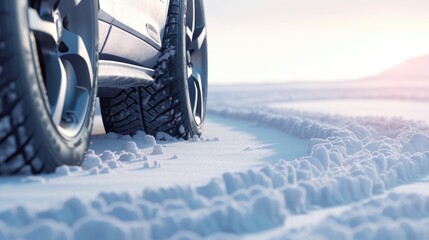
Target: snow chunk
[108, 156]
[114, 164]
[90, 152]
[182, 129]
[91, 161]
[62, 170]
[195, 138]
[131, 147]
[156, 164]
[167, 53]
[418, 143]
[75, 168]
[149, 140]
[101, 227]
[47, 229]
[127, 157]
[321, 153]
[162, 136]
[157, 150]
[94, 171]
[105, 170]
[139, 136]
[146, 165]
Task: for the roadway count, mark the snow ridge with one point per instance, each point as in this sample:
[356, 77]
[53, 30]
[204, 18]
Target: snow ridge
[157, 214]
[360, 156]
[404, 216]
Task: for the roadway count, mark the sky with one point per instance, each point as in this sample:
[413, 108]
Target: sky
[258, 41]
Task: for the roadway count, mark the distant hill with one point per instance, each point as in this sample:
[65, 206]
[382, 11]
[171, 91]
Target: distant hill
[415, 69]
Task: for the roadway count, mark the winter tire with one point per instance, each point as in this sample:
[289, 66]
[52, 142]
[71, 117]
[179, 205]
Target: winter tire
[175, 104]
[48, 69]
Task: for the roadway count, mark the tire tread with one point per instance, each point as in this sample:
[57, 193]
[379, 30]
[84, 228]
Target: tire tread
[156, 105]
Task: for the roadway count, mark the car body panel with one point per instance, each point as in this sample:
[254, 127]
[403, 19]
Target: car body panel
[130, 32]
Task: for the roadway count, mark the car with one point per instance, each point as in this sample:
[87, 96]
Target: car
[145, 60]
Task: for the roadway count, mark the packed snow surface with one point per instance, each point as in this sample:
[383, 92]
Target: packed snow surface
[260, 171]
[416, 110]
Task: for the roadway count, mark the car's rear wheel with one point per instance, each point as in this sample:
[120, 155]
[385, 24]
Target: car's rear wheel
[48, 69]
[176, 103]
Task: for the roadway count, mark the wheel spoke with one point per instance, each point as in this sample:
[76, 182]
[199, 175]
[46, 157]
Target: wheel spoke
[67, 6]
[56, 82]
[199, 111]
[39, 25]
[190, 15]
[73, 46]
[190, 21]
[196, 94]
[189, 36]
[57, 111]
[200, 35]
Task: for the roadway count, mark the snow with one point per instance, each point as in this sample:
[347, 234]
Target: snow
[62, 170]
[157, 149]
[416, 110]
[34, 179]
[265, 168]
[91, 161]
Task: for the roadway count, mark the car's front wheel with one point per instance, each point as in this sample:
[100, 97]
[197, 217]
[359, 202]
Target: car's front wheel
[176, 103]
[48, 69]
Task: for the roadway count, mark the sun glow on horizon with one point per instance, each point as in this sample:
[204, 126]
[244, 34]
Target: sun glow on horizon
[278, 40]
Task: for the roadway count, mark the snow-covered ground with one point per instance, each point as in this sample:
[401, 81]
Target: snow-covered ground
[292, 161]
[415, 110]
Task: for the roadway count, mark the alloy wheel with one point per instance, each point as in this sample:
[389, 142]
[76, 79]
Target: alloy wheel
[196, 58]
[64, 40]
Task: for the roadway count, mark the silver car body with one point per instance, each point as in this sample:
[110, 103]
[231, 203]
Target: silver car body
[130, 40]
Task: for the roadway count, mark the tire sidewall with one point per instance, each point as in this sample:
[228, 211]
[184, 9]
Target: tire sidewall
[53, 148]
[194, 127]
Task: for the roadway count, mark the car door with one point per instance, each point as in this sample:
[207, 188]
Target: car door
[143, 18]
[132, 25]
